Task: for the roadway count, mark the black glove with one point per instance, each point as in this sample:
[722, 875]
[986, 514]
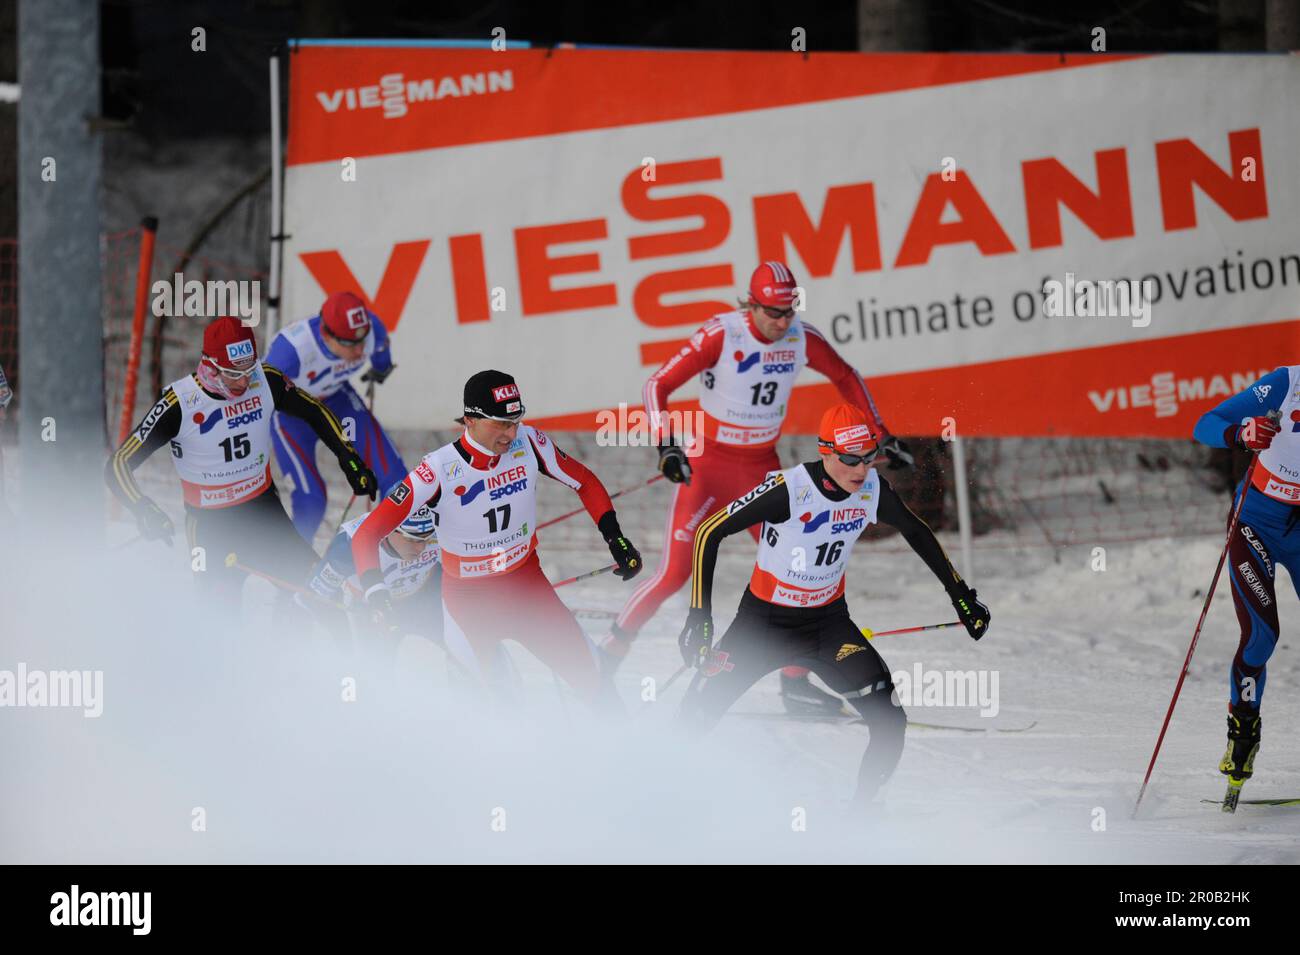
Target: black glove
[625, 555]
[673, 464]
[153, 522]
[696, 639]
[973, 613]
[379, 601]
[377, 376]
[362, 479]
[900, 456]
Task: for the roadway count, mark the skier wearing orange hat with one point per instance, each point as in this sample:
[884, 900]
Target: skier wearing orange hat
[321, 354]
[747, 362]
[794, 611]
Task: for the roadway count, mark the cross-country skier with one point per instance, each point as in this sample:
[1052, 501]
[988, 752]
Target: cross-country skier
[1266, 535]
[218, 424]
[794, 611]
[320, 354]
[408, 560]
[482, 488]
[747, 361]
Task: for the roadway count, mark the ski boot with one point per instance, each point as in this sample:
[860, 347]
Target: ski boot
[1238, 762]
[803, 699]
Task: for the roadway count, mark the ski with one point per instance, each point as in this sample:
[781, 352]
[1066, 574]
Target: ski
[1256, 802]
[1232, 795]
[848, 720]
[974, 729]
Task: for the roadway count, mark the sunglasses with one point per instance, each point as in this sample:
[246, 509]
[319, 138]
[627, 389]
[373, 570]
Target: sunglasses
[776, 313]
[851, 460]
[345, 341]
[235, 374]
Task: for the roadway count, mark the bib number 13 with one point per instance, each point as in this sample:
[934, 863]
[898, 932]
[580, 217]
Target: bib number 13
[764, 393]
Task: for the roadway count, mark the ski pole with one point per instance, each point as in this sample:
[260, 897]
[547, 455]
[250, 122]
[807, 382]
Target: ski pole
[591, 573]
[1196, 634]
[626, 490]
[675, 677]
[872, 634]
[666, 687]
[370, 409]
[232, 561]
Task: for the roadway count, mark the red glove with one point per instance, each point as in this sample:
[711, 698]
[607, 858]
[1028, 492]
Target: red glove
[1256, 434]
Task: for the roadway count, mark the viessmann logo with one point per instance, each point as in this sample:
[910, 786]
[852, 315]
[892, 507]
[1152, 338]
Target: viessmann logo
[1165, 390]
[394, 93]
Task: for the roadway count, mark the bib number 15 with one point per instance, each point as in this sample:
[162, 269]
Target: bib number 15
[236, 446]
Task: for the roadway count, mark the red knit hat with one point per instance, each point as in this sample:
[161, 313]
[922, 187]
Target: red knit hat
[772, 284]
[345, 317]
[229, 343]
[844, 430]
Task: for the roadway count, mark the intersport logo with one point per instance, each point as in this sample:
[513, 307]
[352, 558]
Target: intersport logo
[394, 92]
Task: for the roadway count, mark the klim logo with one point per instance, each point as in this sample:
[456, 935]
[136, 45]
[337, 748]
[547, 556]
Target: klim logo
[1164, 392]
[394, 92]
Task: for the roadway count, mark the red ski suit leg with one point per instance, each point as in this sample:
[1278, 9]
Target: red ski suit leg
[521, 606]
[719, 475]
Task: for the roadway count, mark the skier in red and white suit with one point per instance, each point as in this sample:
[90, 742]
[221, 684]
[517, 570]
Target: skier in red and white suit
[747, 361]
[482, 489]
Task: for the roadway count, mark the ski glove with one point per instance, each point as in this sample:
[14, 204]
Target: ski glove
[153, 522]
[974, 614]
[673, 464]
[696, 639]
[377, 376]
[362, 479]
[900, 456]
[1255, 434]
[627, 557]
[379, 602]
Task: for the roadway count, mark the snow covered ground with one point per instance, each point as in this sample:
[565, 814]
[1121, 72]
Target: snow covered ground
[244, 747]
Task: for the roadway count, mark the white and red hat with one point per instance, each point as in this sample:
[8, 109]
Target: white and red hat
[345, 317]
[844, 430]
[229, 344]
[772, 284]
